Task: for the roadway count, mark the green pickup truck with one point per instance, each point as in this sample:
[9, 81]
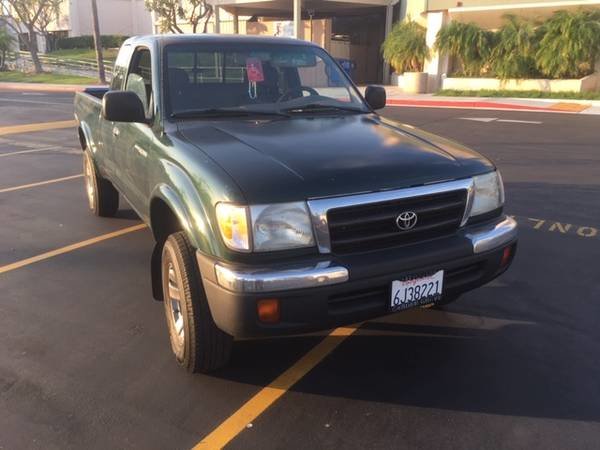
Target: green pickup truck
[279, 200]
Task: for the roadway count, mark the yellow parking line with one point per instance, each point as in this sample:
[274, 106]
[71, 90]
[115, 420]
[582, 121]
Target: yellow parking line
[39, 183]
[28, 128]
[268, 395]
[69, 248]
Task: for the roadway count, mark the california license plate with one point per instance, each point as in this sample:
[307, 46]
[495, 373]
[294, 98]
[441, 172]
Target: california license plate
[417, 291]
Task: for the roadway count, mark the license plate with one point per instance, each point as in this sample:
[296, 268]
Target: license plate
[416, 291]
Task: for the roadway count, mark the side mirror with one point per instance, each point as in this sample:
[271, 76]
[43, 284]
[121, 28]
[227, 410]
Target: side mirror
[123, 106]
[376, 96]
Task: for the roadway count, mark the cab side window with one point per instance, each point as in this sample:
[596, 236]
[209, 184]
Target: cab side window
[139, 79]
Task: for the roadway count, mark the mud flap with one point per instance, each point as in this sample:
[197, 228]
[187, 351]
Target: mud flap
[155, 272]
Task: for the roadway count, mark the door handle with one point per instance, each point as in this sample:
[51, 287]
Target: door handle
[115, 132]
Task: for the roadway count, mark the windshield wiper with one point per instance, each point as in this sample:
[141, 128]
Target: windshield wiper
[225, 112]
[318, 107]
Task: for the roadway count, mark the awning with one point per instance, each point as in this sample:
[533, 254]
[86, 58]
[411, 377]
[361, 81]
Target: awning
[283, 8]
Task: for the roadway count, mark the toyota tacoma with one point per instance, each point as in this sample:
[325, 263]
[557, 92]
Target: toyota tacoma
[279, 200]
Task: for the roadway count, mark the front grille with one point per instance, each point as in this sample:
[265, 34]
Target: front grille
[377, 298]
[373, 226]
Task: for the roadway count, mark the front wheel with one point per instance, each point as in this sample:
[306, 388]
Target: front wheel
[198, 344]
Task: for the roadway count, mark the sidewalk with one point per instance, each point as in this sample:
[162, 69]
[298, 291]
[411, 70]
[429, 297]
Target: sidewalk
[42, 87]
[397, 98]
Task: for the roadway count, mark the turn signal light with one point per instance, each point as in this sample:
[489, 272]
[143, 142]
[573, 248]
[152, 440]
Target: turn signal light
[268, 310]
[506, 256]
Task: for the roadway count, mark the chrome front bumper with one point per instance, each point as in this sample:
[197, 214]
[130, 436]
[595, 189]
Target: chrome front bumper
[489, 237]
[483, 238]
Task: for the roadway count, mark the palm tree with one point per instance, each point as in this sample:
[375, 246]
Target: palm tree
[513, 56]
[469, 43]
[570, 44]
[405, 48]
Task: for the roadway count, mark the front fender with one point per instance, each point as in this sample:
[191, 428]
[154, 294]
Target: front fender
[182, 197]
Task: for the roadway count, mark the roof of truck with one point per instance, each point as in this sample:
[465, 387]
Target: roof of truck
[165, 39]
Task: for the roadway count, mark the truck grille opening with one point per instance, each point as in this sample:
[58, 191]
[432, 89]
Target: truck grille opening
[376, 298]
[373, 226]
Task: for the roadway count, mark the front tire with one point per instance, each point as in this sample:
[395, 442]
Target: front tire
[198, 344]
[103, 198]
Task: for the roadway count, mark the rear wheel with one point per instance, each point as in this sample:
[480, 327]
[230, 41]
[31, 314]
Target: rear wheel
[103, 198]
[198, 344]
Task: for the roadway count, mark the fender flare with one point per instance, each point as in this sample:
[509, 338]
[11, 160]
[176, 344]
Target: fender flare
[192, 216]
[189, 224]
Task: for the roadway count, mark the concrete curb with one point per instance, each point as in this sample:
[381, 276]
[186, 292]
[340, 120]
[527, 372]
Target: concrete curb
[43, 87]
[467, 104]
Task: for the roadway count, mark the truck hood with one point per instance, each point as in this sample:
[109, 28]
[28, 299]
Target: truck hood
[299, 158]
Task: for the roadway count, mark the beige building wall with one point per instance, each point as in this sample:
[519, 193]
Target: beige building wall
[123, 17]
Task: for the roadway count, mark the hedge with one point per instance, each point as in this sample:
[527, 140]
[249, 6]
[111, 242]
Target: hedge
[108, 41]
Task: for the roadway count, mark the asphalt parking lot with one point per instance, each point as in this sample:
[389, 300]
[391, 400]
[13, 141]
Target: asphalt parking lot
[85, 360]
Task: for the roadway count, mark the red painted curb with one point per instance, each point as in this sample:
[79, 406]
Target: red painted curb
[464, 104]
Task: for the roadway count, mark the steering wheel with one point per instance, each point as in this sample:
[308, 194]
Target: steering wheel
[288, 94]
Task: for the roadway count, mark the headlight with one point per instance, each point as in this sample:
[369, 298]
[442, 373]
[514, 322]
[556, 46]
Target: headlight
[233, 224]
[281, 226]
[488, 193]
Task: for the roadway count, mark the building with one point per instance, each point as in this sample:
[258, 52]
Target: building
[120, 17]
[355, 29]
[351, 30]
[74, 18]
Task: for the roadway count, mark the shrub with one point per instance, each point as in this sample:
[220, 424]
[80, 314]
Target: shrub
[108, 41]
[469, 43]
[513, 55]
[6, 44]
[570, 44]
[405, 48]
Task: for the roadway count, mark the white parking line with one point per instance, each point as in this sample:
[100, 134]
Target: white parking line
[39, 183]
[495, 119]
[520, 121]
[20, 152]
[15, 100]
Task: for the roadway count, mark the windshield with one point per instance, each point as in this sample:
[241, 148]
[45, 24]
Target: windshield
[267, 78]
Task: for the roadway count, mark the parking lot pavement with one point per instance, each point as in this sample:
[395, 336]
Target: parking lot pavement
[85, 360]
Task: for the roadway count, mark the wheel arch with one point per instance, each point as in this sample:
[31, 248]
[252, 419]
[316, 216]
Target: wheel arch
[169, 214]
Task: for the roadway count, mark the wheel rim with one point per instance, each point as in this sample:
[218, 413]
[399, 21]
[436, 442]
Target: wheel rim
[173, 309]
[89, 182]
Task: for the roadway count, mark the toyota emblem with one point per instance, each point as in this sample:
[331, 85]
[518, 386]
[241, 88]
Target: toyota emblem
[406, 221]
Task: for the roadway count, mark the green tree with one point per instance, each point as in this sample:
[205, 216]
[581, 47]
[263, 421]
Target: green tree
[172, 12]
[32, 16]
[6, 43]
[405, 48]
[513, 55]
[570, 44]
[469, 43]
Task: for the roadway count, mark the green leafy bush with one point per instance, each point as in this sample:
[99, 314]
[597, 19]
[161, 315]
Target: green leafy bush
[570, 44]
[405, 48]
[468, 42]
[513, 55]
[108, 41]
[6, 44]
[567, 45]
